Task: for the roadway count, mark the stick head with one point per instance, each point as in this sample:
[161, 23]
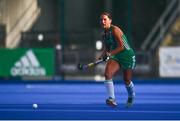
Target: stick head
[80, 66]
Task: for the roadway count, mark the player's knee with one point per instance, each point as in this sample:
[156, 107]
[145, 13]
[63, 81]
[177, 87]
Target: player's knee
[108, 75]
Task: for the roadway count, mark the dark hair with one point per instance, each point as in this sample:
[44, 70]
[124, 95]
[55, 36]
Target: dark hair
[107, 14]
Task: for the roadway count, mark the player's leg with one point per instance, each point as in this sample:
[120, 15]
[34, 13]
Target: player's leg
[111, 68]
[127, 74]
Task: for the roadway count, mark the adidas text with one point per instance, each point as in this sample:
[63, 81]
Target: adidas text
[28, 71]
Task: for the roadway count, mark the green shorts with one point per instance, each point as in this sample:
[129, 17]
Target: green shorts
[126, 59]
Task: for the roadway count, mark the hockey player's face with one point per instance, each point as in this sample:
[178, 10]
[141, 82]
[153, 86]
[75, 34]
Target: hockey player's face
[105, 22]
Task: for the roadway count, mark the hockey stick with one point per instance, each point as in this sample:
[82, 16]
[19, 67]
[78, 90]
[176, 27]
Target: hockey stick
[86, 66]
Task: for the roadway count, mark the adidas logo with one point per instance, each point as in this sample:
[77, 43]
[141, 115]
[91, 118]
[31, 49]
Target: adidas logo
[28, 65]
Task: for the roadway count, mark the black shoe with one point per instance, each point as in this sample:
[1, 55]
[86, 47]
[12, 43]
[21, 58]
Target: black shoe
[111, 102]
[130, 102]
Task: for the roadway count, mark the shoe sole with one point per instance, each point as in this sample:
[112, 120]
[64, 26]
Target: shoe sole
[111, 104]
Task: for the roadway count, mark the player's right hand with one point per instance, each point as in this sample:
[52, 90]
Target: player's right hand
[106, 56]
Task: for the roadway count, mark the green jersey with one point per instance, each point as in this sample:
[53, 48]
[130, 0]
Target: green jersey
[126, 57]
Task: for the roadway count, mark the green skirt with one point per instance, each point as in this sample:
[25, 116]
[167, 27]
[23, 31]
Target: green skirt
[126, 59]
